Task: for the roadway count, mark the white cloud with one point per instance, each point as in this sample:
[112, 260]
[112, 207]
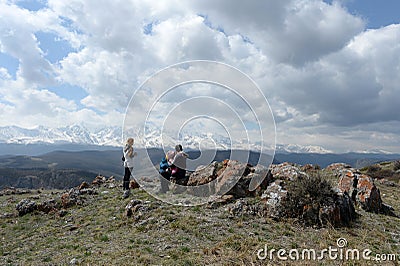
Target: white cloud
[321, 71]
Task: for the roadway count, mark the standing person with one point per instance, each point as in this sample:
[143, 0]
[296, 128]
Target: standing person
[129, 154]
[179, 162]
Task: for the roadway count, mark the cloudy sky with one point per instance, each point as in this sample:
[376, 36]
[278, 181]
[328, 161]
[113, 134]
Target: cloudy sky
[330, 70]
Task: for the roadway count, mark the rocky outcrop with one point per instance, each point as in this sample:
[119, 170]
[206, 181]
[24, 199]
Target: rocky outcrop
[229, 177]
[287, 171]
[231, 180]
[203, 175]
[340, 213]
[273, 198]
[363, 191]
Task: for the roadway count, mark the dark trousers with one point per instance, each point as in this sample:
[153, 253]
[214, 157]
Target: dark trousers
[127, 178]
[164, 178]
[180, 174]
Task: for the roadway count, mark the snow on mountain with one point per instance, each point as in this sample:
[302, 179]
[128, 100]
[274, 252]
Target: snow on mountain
[295, 148]
[75, 134]
[112, 136]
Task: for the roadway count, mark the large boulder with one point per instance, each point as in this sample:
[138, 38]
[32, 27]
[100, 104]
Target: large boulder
[228, 179]
[340, 213]
[203, 175]
[363, 191]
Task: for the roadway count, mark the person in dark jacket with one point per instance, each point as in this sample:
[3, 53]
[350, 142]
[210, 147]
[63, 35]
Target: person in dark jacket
[165, 173]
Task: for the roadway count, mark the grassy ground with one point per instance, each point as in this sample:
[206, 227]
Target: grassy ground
[99, 233]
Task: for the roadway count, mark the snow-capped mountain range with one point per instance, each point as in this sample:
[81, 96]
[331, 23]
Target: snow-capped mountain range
[75, 134]
[112, 136]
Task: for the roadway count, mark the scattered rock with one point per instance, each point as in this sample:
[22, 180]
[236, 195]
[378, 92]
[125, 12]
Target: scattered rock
[137, 207]
[71, 198]
[244, 207]
[26, 206]
[133, 184]
[48, 206]
[7, 215]
[220, 201]
[88, 191]
[387, 183]
[83, 185]
[14, 191]
[62, 213]
[99, 180]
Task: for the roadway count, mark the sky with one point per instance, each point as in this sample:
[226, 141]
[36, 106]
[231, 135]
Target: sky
[329, 69]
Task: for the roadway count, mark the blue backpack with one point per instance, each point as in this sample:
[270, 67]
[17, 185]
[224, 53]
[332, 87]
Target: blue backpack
[163, 165]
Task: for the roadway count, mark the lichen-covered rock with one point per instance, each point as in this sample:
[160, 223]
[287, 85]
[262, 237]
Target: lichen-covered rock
[245, 207]
[273, 197]
[99, 180]
[340, 213]
[137, 209]
[48, 206]
[26, 206]
[228, 180]
[363, 191]
[70, 198]
[337, 167]
[84, 185]
[203, 175]
[368, 195]
[287, 171]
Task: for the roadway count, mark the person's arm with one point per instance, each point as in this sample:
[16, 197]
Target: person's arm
[130, 151]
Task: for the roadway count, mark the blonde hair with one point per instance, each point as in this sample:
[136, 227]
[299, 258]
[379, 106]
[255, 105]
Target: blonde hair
[129, 140]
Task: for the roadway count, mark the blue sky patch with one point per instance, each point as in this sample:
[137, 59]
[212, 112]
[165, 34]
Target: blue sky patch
[32, 5]
[70, 92]
[53, 46]
[10, 63]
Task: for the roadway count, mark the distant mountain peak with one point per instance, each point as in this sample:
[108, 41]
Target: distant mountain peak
[112, 136]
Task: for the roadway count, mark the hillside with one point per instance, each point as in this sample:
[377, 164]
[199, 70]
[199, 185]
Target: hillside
[92, 228]
[86, 164]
